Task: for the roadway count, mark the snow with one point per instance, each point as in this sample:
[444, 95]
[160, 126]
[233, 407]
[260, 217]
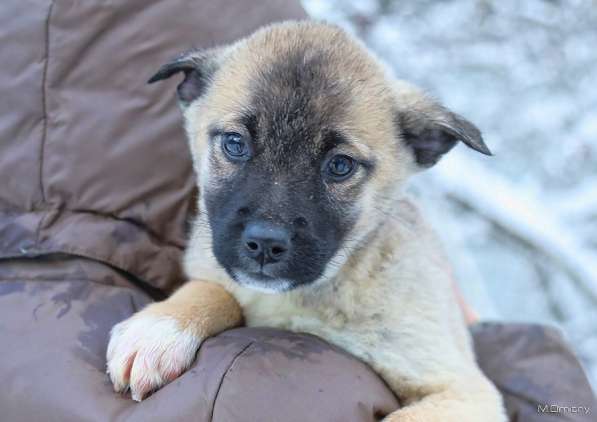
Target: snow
[520, 227]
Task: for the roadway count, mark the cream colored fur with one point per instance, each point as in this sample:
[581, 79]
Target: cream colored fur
[386, 297]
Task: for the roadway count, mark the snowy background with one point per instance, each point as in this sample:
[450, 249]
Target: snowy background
[520, 227]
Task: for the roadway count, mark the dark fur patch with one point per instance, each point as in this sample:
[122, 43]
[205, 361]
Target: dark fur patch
[430, 139]
[198, 67]
[291, 118]
[429, 145]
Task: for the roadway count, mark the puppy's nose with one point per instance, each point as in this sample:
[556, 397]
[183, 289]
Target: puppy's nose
[265, 242]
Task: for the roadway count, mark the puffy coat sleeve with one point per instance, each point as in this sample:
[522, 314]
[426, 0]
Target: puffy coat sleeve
[536, 371]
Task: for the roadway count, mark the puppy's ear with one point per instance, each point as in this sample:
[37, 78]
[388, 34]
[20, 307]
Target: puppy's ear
[430, 129]
[198, 68]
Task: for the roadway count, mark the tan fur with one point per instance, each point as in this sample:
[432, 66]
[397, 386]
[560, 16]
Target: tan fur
[204, 308]
[389, 302]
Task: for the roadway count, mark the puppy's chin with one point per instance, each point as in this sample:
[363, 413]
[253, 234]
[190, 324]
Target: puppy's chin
[263, 284]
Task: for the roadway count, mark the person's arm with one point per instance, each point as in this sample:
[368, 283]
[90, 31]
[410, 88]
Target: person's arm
[537, 373]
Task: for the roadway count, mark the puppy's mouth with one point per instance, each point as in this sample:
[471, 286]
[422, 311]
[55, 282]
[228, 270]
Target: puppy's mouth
[262, 282]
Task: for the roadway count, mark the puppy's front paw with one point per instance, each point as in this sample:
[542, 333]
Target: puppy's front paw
[147, 351]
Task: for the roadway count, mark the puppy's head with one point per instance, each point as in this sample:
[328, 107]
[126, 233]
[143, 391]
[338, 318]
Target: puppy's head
[301, 142]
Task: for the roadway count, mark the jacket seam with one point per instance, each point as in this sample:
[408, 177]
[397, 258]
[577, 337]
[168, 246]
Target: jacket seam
[238, 355]
[44, 101]
[148, 285]
[137, 224]
[146, 228]
[109, 257]
[145, 285]
[44, 106]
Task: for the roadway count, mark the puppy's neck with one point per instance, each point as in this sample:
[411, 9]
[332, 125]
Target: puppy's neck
[381, 245]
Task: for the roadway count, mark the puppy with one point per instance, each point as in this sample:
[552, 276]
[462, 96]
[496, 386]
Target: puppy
[302, 143]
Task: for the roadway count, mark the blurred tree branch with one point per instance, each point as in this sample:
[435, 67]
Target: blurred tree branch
[532, 223]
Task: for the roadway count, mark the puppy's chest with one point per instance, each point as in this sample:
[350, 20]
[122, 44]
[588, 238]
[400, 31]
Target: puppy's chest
[321, 314]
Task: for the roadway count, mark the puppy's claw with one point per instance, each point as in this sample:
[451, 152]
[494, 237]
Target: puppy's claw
[137, 397]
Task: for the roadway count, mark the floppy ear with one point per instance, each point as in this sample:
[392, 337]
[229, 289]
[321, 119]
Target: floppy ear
[198, 68]
[431, 130]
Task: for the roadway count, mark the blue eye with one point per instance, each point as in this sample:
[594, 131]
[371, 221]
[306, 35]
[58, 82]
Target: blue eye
[235, 146]
[340, 167]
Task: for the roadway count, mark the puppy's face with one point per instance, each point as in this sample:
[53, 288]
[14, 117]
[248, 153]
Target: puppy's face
[301, 143]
